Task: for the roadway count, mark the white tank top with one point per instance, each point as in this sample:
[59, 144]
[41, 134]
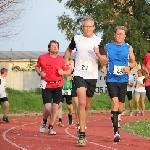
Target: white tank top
[139, 87]
[86, 62]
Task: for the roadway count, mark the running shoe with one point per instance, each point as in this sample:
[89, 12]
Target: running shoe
[51, 131]
[81, 141]
[5, 119]
[117, 137]
[42, 127]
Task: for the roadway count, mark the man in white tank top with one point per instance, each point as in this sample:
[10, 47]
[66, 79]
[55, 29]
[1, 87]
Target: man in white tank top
[89, 51]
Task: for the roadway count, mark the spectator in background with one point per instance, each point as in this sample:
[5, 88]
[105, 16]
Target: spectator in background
[140, 92]
[3, 94]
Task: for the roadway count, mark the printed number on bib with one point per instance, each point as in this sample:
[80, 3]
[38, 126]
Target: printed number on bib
[118, 70]
[43, 84]
[66, 92]
[85, 66]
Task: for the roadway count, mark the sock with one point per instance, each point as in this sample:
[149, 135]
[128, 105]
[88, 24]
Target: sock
[50, 126]
[114, 118]
[60, 120]
[5, 116]
[60, 112]
[119, 115]
[44, 121]
[82, 133]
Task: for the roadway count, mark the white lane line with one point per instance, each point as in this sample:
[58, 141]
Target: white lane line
[67, 132]
[9, 141]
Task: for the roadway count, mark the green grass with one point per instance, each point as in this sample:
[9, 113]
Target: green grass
[141, 128]
[31, 102]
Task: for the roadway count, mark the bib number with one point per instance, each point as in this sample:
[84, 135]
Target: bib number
[43, 84]
[85, 66]
[66, 92]
[118, 70]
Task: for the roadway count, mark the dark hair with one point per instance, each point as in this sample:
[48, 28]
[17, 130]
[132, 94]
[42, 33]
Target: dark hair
[53, 41]
[3, 70]
[140, 71]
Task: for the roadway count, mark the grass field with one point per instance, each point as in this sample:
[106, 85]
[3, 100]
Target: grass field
[141, 127]
[31, 102]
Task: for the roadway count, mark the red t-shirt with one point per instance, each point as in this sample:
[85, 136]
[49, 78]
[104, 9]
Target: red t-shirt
[146, 59]
[146, 62]
[50, 66]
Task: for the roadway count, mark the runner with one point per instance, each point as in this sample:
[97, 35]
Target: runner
[88, 48]
[66, 94]
[119, 55]
[146, 68]
[50, 67]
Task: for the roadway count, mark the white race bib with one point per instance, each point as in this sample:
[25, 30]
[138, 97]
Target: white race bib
[66, 92]
[85, 66]
[118, 70]
[43, 84]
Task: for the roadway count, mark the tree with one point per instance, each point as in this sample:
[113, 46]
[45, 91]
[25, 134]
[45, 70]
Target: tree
[134, 14]
[10, 12]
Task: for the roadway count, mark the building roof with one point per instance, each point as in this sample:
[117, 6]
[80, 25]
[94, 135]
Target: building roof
[24, 54]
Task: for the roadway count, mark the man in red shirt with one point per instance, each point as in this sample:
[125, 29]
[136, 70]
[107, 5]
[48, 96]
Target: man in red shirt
[50, 67]
[146, 68]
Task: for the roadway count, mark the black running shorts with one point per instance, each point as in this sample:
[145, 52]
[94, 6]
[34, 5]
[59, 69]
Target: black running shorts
[68, 99]
[74, 90]
[117, 90]
[4, 99]
[50, 94]
[90, 84]
[129, 95]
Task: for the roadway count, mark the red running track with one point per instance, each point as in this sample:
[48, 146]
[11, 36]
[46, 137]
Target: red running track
[22, 133]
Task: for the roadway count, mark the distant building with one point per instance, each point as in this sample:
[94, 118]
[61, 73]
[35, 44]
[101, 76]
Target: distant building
[20, 65]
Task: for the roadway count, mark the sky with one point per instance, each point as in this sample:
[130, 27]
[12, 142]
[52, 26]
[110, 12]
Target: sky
[39, 27]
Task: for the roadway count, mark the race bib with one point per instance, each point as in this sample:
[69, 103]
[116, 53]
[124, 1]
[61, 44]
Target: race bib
[66, 92]
[118, 70]
[85, 66]
[43, 84]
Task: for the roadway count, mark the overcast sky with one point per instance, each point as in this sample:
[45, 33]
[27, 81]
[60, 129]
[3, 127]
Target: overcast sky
[40, 26]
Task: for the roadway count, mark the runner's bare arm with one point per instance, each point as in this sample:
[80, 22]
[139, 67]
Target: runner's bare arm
[102, 58]
[132, 58]
[37, 69]
[131, 61]
[67, 56]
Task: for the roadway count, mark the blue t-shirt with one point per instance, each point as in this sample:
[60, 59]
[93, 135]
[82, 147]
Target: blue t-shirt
[118, 57]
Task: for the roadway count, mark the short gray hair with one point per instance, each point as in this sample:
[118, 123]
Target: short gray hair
[87, 18]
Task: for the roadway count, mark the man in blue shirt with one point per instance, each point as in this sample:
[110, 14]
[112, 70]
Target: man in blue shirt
[119, 55]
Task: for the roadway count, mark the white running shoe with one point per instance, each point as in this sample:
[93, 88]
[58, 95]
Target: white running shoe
[117, 137]
[42, 127]
[51, 131]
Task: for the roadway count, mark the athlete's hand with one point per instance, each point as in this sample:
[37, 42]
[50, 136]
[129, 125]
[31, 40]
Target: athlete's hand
[60, 71]
[104, 69]
[126, 69]
[67, 63]
[96, 50]
[42, 74]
